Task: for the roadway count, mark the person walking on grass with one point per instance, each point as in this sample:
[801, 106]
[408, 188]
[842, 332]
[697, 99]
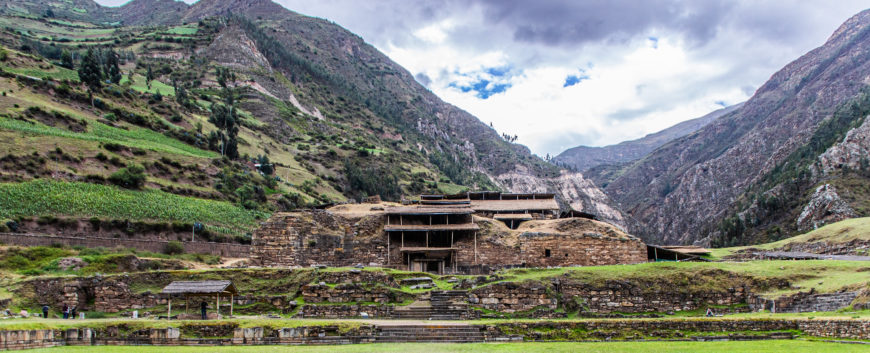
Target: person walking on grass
[65, 311]
[45, 311]
[202, 307]
[73, 313]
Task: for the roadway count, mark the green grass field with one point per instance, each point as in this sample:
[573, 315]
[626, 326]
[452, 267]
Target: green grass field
[58, 198]
[604, 347]
[96, 131]
[156, 86]
[840, 232]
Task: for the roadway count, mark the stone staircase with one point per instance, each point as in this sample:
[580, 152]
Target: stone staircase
[428, 333]
[442, 305]
[821, 302]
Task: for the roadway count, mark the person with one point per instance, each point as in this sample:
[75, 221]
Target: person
[202, 307]
[45, 311]
[65, 311]
[710, 312]
[73, 312]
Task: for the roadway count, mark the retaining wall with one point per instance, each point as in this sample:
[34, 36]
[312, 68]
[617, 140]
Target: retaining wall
[637, 329]
[221, 249]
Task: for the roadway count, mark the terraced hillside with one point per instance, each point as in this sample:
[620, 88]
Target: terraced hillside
[220, 114]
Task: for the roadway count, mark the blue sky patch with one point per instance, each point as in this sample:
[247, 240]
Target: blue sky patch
[575, 79]
[484, 83]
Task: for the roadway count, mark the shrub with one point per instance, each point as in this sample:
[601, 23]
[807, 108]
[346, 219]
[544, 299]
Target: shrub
[173, 248]
[131, 177]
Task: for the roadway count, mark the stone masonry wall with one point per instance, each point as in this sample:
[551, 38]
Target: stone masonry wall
[611, 297]
[346, 293]
[318, 238]
[589, 249]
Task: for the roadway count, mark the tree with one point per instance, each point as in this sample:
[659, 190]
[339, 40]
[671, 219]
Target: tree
[265, 165]
[224, 118]
[111, 68]
[89, 70]
[149, 76]
[66, 59]
[180, 94]
[131, 177]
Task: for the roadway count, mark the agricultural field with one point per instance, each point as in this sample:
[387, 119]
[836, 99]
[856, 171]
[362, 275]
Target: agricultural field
[47, 197]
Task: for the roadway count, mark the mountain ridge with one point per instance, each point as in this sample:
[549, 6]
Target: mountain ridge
[583, 158]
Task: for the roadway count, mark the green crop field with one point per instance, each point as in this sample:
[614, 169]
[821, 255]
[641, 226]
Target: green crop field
[55, 72]
[59, 198]
[839, 232]
[183, 30]
[604, 347]
[134, 137]
[140, 85]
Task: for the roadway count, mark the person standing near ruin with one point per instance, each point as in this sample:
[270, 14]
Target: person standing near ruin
[73, 313]
[65, 311]
[203, 306]
[45, 311]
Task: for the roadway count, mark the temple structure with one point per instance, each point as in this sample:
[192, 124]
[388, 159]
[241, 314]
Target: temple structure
[466, 233]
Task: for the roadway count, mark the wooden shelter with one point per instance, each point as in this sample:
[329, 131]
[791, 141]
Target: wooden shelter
[201, 289]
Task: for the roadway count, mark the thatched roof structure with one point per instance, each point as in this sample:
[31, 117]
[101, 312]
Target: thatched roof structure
[200, 288]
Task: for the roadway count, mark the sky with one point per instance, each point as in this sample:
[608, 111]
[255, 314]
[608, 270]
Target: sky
[559, 74]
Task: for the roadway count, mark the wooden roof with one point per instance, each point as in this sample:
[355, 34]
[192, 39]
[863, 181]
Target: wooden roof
[200, 287]
[514, 205]
[430, 210]
[434, 227]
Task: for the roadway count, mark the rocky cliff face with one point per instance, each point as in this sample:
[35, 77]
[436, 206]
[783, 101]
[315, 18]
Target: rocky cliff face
[684, 190]
[582, 158]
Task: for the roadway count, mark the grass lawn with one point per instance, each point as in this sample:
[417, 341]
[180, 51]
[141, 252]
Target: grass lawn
[633, 347]
[140, 85]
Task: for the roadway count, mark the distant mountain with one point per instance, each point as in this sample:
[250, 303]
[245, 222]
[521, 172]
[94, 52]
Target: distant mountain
[793, 157]
[583, 158]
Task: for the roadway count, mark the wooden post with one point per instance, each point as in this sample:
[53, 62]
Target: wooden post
[231, 304]
[218, 308]
[400, 220]
[388, 248]
[427, 238]
[451, 239]
[169, 314]
[475, 248]
[655, 254]
[403, 238]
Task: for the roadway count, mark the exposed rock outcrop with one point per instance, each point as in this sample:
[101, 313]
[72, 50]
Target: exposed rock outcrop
[824, 207]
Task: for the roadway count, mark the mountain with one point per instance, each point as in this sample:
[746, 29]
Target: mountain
[583, 158]
[333, 118]
[794, 148]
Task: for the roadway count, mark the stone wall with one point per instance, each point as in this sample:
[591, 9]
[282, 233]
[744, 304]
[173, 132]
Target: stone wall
[510, 297]
[590, 330]
[319, 238]
[346, 293]
[221, 249]
[608, 298]
[345, 311]
[588, 249]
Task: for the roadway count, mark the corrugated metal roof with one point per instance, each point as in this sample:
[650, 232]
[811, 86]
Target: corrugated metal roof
[434, 227]
[199, 287]
[426, 210]
[514, 205]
